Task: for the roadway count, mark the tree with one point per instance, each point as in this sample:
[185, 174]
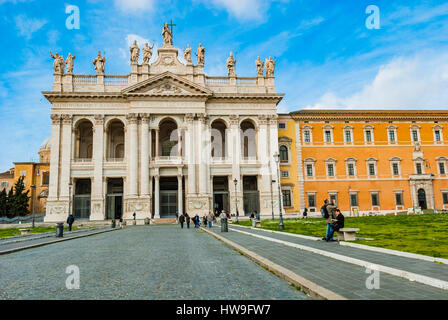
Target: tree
[3, 203]
[18, 205]
[9, 199]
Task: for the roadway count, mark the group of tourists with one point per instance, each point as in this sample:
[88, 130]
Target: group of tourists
[335, 219]
[207, 220]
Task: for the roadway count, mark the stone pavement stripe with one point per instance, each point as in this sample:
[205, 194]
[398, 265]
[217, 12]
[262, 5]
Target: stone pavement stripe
[53, 241]
[394, 252]
[313, 290]
[373, 266]
[398, 262]
[359, 246]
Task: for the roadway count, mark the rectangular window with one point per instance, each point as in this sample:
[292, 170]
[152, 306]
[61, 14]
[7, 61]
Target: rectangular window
[414, 135]
[348, 136]
[311, 201]
[309, 170]
[418, 167]
[4, 184]
[442, 168]
[395, 169]
[330, 170]
[45, 178]
[334, 198]
[23, 173]
[391, 136]
[372, 169]
[375, 201]
[286, 198]
[354, 199]
[327, 136]
[437, 135]
[368, 136]
[285, 174]
[282, 125]
[351, 169]
[445, 197]
[307, 136]
[398, 199]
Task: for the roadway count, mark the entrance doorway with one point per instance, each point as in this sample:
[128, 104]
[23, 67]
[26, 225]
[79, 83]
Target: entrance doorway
[168, 197]
[221, 194]
[81, 199]
[114, 199]
[422, 199]
[251, 198]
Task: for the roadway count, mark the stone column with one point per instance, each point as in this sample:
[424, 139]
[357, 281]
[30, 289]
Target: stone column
[235, 147]
[66, 156]
[54, 157]
[156, 196]
[189, 153]
[265, 171]
[202, 132]
[301, 186]
[144, 157]
[97, 202]
[133, 155]
[156, 153]
[273, 148]
[179, 192]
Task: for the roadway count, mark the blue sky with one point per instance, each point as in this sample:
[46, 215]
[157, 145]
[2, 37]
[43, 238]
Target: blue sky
[326, 57]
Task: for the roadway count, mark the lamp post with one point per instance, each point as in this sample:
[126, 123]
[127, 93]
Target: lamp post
[33, 191]
[277, 160]
[272, 200]
[70, 185]
[235, 181]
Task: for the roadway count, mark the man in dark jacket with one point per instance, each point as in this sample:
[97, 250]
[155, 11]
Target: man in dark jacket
[187, 219]
[70, 221]
[181, 221]
[337, 223]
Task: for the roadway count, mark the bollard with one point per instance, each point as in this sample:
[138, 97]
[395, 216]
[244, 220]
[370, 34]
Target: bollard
[224, 226]
[60, 230]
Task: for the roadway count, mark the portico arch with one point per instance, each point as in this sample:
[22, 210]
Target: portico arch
[115, 140]
[83, 139]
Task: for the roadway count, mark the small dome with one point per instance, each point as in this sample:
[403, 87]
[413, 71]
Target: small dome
[46, 144]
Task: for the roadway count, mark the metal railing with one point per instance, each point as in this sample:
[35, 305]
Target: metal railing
[38, 217]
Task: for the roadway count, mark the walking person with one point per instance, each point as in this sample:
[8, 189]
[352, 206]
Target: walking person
[210, 218]
[187, 219]
[326, 216]
[305, 212]
[70, 220]
[331, 214]
[204, 220]
[181, 221]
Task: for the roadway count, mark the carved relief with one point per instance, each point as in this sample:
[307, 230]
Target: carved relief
[166, 88]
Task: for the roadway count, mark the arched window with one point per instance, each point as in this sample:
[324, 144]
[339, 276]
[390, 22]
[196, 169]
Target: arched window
[283, 154]
[84, 140]
[115, 140]
[218, 139]
[248, 140]
[168, 139]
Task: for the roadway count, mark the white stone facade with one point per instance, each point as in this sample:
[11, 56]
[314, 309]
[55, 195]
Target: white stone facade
[108, 130]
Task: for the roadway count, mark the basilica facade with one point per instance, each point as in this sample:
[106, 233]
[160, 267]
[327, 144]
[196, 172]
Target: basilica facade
[164, 139]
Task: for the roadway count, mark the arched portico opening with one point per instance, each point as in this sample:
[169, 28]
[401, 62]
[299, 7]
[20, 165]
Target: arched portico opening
[115, 140]
[218, 139]
[248, 140]
[84, 140]
[421, 195]
[81, 199]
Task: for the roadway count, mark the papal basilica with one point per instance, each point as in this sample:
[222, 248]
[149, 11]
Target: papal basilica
[164, 139]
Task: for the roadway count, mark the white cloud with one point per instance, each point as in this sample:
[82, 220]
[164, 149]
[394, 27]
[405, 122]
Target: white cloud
[416, 82]
[134, 5]
[242, 9]
[28, 26]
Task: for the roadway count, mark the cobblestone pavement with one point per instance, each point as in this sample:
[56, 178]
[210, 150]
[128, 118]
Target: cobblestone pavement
[141, 262]
[343, 278]
[426, 268]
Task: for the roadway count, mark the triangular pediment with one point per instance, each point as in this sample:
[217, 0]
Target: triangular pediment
[167, 84]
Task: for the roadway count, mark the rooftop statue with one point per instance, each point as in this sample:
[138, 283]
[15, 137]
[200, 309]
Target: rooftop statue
[167, 35]
[230, 64]
[99, 64]
[187, 54]
[147, 53]
[200, 54]
[69, 63]
[135, 52]
[270, 67]
[58, 64]
[260, 65]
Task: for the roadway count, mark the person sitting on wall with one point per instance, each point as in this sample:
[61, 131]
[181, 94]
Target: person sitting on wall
[337, 223]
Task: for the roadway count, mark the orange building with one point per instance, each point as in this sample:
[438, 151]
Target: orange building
[38, 175]
[367, 161]
[7, 180]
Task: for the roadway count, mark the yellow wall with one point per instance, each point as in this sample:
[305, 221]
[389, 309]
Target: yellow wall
[33, 175]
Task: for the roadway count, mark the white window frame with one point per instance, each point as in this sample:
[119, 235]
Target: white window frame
[351, 161]
[42, 178]
[331, 161]
[291, 196]
[281, 122]
[445, 205]
[313, 193]
[377, 206]
[416, 128]
[328, 128]
[287, 174]
[440, 129]
[394, 129]
[442, 160]
[399, 206]
[308, 129]
[397, 161]
[351, 192]
[350, 130]
[372, 161]
[309, 161]
[422, 163]
[370, 129]
[333, 193]
[286, 142]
